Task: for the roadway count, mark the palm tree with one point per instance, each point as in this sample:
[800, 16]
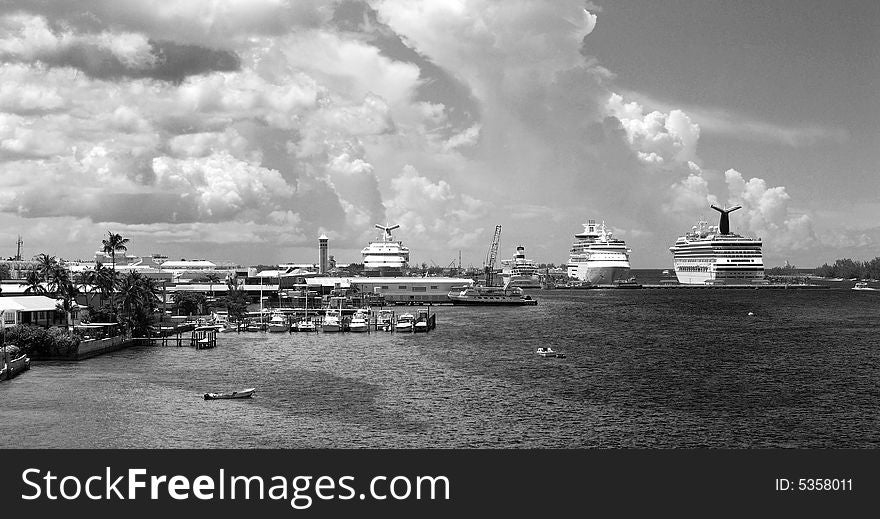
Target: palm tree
[113, 244]
[87, 280]
[67, 291]
[139, 300]
[58, 278]
[46, 265]
[34, 282]
[104, 280]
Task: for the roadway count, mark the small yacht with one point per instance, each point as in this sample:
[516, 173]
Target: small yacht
[549, 352]
[405, 323]
[359, 322]
[278, 323]
[862, 285]
[332, 321]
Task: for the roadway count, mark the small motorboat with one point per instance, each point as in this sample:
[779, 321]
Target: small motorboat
[405, 323]
[862, 285]
[278, 323]
[332, 321]
[549, 352]
[306, 325]
[243, 393]
[359, 322]
[384, 320]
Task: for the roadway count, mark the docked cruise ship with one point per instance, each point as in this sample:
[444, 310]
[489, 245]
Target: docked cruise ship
[385, 257]
[712, 254]
[520, 271]
[596, 257]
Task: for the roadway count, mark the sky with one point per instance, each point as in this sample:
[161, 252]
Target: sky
[241, 130]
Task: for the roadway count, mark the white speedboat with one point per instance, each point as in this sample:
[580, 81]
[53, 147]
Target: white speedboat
[549, 352]
[278, 323]
[359, 322]
[862, 285]
[405, 323]
[332, 321]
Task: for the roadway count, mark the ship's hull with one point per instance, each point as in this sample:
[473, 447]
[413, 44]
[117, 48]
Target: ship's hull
[721, 271]
[599, 274]
[499, 302]
[522, 281]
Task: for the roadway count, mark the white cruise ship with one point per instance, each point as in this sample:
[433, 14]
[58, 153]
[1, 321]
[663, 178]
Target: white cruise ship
[520, 271]
[596, 257]
[385, 257]
[712, 254]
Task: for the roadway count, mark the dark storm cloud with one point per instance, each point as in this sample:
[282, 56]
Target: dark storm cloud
[126, 208]
[172, 62]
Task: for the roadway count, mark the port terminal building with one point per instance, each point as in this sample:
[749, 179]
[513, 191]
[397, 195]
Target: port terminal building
[395, 290]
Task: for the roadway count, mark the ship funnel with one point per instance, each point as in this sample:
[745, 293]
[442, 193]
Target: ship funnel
[724, 224]
[387, 231]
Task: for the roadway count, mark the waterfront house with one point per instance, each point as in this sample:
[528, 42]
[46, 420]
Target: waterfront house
[34, 310]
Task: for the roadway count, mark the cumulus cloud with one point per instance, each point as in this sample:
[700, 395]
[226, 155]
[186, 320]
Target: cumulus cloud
[177, 120]
[767, 213]
[432, 209]
[222, 185]
[657, 137]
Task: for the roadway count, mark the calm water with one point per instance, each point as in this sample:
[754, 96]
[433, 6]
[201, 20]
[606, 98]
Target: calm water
[644, 368]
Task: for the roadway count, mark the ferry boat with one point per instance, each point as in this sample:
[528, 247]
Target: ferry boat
[385, 257]
[483, 295]
[596, 257]
[520, 271]
[710, 255]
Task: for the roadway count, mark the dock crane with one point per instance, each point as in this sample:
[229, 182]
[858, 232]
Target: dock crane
[491, 256]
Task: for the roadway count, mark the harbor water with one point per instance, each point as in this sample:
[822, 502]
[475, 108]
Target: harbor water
[643, 368]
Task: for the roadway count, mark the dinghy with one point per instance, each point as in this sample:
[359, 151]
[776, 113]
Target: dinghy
[243, 393]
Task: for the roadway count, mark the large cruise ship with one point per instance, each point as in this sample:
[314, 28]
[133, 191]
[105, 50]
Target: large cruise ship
[385, 257]
[596, 257]
[712, 254]
[520, 271]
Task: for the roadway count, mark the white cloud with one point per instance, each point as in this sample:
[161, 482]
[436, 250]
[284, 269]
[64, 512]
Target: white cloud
[222, 185]
[656, 136]
[767, 213]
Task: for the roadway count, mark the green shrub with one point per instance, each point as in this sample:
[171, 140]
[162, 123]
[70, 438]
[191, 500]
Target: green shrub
[37, 341]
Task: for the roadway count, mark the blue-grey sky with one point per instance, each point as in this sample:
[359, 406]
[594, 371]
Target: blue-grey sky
[241, 130]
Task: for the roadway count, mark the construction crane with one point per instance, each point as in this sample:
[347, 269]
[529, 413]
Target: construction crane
[491, 256]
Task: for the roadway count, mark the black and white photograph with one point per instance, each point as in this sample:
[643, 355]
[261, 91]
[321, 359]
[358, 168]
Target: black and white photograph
[430, 224]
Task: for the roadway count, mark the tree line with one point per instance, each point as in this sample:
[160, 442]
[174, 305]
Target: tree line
[848, 269]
